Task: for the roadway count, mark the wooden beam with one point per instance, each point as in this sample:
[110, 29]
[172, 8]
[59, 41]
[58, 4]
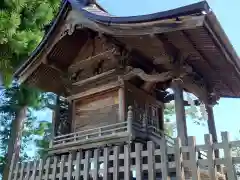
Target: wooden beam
[170, 97]
[94, 78]
[92, 91]
[83, 63]
[157, 26]
[180, 112]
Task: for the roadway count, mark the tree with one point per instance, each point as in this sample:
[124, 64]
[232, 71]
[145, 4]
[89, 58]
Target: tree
[22, 25]
[192, 113]
[34, 131]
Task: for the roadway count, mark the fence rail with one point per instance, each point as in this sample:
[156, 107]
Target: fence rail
[141, 161]
[88, 134]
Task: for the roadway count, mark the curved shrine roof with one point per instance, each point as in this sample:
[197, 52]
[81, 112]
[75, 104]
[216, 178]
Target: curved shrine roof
[192, 29]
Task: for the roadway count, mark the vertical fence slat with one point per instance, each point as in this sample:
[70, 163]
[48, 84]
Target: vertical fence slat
[105, 162]
[127, 161]
[33, 176]
[11, 167]
[116, 163]
[86, 166]
[151, 160]
[212, 171]
[193, 158]
[138, 149]
[62, 164]
[54, 169]
[180, 175]
[228, 156]
[16, 171]
[78, 163]
[27, 170]
[69, 169]
[96, 164]
[40, 169]
[47, 168]
[164, 158]
[22, 171]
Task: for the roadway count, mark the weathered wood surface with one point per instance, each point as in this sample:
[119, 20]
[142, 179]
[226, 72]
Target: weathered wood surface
[123, 162]
[96, 111]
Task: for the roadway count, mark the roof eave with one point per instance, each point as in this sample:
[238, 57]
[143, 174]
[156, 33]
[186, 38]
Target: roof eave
[222, 40]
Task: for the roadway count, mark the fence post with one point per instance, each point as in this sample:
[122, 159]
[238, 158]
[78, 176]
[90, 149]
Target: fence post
[61, 169]
[28, 170]
[105, 162]
[33, 176]
[86, 165]
[164, 158]
[228, 156]
[212, 171]
[78, 165]
[69, 167]
[127, 162]
[22, 170]
[151, 160]
[46, 177]
[138, 151]
[96, 163]
[16, 171]
[54, 168]
[11, 167]
[129, 120]
[180, 175]
[40, 168]
[115, 163]
[193, 158]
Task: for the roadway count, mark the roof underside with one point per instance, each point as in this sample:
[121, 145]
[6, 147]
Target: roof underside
[205, 47]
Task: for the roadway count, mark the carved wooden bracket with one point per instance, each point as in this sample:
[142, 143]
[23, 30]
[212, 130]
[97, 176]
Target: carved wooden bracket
[149, 78]
[68, 29]
[155, 77]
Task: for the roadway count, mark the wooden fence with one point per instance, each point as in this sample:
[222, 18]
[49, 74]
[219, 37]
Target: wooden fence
[136, 161]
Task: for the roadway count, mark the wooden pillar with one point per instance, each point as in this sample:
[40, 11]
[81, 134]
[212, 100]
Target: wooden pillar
[121, 97]
[211, 123]
[180, 112]
[212, 127]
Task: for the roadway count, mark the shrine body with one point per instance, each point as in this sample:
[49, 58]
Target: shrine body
[112, 74]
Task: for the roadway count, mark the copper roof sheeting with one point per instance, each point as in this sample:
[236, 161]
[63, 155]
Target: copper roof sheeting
[207, 47]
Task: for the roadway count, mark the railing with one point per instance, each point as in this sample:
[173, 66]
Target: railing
[90, 134]
[134, 161]
[143, 124]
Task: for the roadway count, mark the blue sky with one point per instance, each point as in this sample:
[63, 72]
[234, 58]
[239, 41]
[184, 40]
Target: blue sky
[226, 113]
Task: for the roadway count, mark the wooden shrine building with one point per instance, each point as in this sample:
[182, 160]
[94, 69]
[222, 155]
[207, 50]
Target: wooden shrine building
[112, 72]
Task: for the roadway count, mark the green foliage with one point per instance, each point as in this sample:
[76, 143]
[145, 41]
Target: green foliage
[35, 132]
[22, 25]
[192, 114]
[169, 126]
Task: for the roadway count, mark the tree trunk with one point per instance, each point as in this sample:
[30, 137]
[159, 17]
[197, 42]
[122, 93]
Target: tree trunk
[14, 142]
